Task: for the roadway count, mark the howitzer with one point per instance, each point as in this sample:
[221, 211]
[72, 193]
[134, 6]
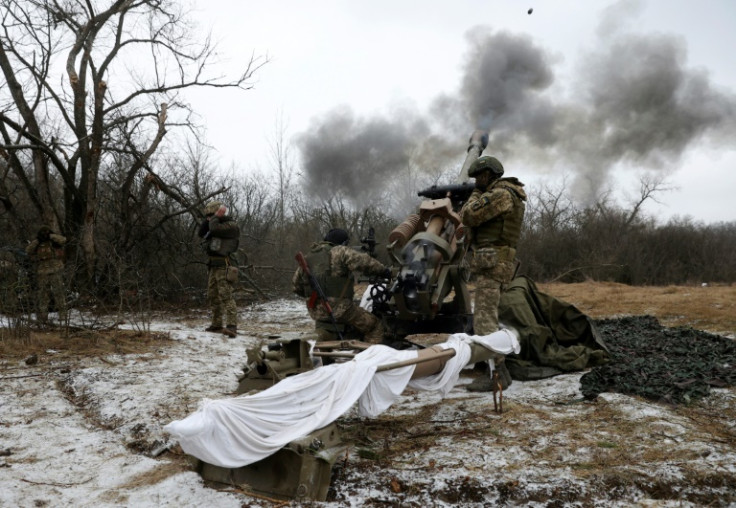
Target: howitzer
[317, 292]
[430, 248]
[425, 301]
[476, 144]
[458, 193]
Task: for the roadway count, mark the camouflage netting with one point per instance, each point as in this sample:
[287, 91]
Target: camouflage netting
[674, 365]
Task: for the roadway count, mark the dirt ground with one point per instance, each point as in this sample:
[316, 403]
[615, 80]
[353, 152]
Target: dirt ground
[548, 448]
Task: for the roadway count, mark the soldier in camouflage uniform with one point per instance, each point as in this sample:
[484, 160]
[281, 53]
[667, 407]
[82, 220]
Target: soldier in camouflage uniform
[221, 237]
[8, 283]
[494, 212]
[332, 262]
[47, 251]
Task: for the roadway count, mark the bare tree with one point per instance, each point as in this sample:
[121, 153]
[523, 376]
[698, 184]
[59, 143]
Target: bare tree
[649, 186]
[549, 208]
[284, 172]
[91, 87]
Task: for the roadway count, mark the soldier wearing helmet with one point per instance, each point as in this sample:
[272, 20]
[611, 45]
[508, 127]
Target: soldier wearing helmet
[494, 212]
[220, 239]
[332, 262]
[47, 252]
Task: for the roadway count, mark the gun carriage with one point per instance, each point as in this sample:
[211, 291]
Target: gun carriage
[426, 299]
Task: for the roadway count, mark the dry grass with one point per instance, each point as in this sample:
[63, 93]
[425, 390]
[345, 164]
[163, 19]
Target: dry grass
[599, 446]
[615, 439]
[709, 308]
[166, 470]
[163, 471]
[82, 343]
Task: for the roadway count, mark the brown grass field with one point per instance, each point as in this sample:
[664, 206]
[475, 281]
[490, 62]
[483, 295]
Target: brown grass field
[709, 308]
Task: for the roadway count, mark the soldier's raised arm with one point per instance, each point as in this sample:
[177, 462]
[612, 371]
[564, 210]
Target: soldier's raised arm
[359, 261]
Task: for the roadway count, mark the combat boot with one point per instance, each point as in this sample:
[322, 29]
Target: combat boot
[230, 331]
[213, 328]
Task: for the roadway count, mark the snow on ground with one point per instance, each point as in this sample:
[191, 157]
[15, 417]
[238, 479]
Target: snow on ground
[87, 431]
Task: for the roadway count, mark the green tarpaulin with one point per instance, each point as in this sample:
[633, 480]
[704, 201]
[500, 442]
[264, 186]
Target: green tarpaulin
[555, 336]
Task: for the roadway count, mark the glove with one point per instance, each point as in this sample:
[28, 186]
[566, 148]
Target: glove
[386, 274]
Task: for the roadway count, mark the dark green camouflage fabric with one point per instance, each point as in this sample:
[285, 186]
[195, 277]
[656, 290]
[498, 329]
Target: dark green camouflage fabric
[555, 336]
[672, 365]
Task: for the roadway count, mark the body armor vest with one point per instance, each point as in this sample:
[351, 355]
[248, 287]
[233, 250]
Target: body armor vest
[49, 250]
[222, 246]
[45, 251]
[504, 230]
[318, 260]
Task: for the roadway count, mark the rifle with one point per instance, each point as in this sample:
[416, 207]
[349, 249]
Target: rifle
[458, 193]
[317, 291]
[369, 242]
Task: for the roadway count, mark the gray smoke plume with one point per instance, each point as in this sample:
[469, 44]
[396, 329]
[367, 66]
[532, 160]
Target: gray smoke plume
[640, 105]
[504, 76]
[352, 157]
[634, 102]
[644, 105]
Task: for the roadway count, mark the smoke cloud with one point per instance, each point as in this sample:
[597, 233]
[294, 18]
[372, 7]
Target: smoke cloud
[353, 157]
[635, 101]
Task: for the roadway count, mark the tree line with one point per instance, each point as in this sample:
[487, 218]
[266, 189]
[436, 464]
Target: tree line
[98, 142]
[155, 253]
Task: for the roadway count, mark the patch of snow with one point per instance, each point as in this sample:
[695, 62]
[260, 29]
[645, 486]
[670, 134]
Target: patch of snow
[78, 433]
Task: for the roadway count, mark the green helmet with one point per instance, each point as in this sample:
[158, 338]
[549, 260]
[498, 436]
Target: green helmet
[44, 232]
[212, 207]
[337, 236]
[486, 163]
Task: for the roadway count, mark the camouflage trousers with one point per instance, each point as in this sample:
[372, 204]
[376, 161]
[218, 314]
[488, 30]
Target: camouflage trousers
[492, 272]
[220, 297]
[485, 305]
[8, 298]
[51, 284]
[348, 313]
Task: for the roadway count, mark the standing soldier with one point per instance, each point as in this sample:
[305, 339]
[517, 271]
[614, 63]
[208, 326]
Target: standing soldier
[221, 237]
[8, 282]
[47, 251]
[332, 262]
[494, 211]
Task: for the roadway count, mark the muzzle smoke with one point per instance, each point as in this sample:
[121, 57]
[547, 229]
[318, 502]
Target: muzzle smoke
[635, 101]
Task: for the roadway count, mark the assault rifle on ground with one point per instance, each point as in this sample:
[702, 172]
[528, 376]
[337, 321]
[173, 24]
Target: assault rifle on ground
[317, 292]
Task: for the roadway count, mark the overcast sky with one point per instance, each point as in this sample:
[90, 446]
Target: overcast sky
[598, 92]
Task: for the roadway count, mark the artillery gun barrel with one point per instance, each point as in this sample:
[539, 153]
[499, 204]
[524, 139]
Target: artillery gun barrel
[431, 361]
[436, 355]
[477, 143]
[274, 355]
[334, 354]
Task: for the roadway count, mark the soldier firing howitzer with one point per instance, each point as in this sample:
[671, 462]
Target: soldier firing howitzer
[317, 292]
